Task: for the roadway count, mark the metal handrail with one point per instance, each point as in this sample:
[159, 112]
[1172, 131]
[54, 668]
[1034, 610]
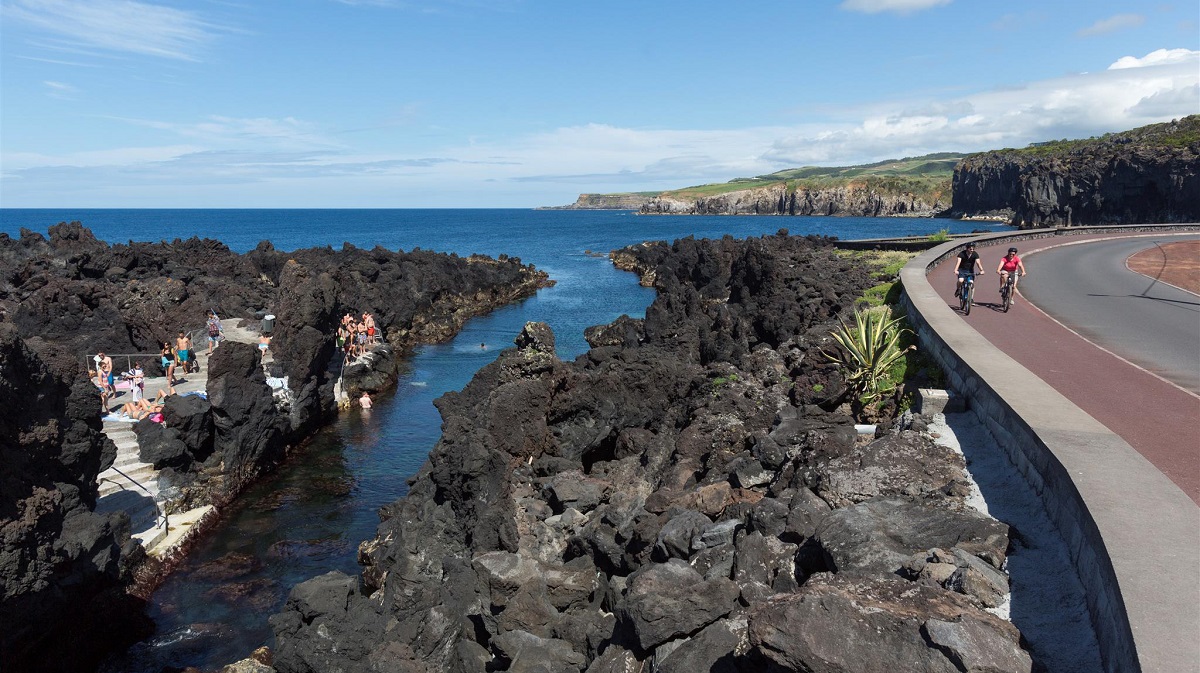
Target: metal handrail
[159, 513]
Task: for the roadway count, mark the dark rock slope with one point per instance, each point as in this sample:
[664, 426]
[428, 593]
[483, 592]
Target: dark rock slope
[672, 500]
[63, 568]
[1147, 175]
[70, 295]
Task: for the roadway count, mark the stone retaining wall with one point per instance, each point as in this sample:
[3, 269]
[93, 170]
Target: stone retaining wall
[1132, 534]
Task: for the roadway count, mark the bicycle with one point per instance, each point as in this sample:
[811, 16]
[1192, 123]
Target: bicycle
[1007, 290]
[967, 295]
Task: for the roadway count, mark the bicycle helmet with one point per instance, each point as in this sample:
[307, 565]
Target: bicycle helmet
[1013, 250]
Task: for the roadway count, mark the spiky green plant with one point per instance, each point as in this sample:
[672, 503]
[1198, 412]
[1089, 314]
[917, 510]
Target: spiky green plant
[869, 349]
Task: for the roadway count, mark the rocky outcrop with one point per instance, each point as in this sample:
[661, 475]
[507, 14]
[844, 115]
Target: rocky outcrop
[671, 501]
[858, 199]
[606, 202]
[1148, 175]
[68, 295]
[63, 568]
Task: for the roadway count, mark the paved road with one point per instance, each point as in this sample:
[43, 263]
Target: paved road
[1157, 418]
[1089, 289]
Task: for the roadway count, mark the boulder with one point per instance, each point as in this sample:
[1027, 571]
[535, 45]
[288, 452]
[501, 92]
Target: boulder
[161, 446]
[848, 622]
[191, 417]
[668, 600]
[717, 648]
[905, 464]
[881, 535]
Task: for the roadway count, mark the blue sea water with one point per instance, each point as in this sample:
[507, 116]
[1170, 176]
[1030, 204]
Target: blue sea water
[310, 517]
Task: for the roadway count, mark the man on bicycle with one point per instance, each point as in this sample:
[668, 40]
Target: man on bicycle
[965, 265]
[1009, 265]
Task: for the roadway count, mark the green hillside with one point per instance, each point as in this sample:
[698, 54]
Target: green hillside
[1179, 133]
[926, 176]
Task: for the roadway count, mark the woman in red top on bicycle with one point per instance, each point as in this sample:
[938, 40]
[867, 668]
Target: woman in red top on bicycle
[1008, 264]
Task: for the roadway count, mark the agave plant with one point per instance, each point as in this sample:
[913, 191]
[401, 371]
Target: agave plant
[868, 350]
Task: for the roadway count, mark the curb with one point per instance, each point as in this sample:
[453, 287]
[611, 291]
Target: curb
[1133, 535]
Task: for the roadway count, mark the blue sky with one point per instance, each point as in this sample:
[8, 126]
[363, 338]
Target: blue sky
[520, 103]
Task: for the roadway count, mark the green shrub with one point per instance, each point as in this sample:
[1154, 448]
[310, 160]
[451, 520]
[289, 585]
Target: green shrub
[871, 356]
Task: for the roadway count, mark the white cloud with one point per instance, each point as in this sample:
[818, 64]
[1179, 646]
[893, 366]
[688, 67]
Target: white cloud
[1067, 107]
[898, 6]
[219, 131]
[229, 161]
[60, 90]
[1156, 57]
[1113, 24]
[120, 26]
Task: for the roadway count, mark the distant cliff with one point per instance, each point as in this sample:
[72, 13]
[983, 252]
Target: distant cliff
[623, 201]
[854, 198]
[1150, 174]
[908, 187]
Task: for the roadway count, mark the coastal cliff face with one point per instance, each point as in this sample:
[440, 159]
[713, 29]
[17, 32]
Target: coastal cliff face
[1148, 175]
[683, 497]
[69, 295]
[606, 202]
[853, 199]
[63, 568]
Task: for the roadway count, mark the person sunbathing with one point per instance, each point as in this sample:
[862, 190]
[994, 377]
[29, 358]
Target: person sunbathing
[140, 409]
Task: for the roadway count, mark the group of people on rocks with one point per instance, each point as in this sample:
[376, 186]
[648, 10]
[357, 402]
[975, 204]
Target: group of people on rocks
[105, 379]
[356, 335]
[179, 356]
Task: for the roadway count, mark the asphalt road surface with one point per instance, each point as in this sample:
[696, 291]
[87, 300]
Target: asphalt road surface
[1088, 288]
[1159, 418]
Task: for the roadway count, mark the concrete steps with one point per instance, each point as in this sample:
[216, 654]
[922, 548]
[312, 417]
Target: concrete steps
[131, 485]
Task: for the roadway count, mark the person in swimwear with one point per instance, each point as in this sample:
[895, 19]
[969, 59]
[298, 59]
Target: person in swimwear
[183, 351]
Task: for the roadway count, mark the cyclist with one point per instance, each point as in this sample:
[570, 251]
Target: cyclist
[1009, 264]
[965, 265]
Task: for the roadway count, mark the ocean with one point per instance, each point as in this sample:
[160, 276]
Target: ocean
[310, 517]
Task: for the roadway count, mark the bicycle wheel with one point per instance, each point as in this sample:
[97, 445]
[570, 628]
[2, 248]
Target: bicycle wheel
[968, 298]
[1006, 293]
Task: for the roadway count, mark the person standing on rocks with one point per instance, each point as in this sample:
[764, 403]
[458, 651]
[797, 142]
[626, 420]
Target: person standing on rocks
[99, 381]
[183, 346]
[137, 381]
[214, 331]
[168, 363]
[369, 321]
[106, 372]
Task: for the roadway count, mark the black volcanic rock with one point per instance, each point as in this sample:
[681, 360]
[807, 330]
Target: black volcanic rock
[63, 568]
[67, 295]
[648, 504]
[1146, 175]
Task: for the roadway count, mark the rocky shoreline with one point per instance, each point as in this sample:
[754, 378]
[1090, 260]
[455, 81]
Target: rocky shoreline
[67, 571]
[687, 495]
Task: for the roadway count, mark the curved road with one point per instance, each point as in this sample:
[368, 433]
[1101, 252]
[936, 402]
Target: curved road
[1089, 289]
[1156, 417]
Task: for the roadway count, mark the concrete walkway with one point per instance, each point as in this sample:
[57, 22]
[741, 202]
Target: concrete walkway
[131, 485]
[1134, 535]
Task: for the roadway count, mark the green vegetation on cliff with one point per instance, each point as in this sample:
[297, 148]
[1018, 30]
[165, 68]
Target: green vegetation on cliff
[1173, 134]
[925, 176]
